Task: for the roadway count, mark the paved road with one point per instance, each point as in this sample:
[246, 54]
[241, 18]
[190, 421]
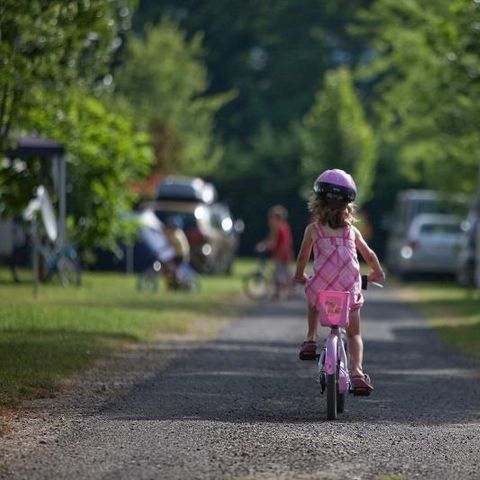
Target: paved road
[244, 407]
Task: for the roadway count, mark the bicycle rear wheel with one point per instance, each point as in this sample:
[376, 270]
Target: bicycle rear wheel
[340, 401]
[256, 286]
[68, 272]
[332, 396]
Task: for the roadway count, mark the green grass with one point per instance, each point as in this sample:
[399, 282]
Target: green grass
[452, 310]
[63, 330]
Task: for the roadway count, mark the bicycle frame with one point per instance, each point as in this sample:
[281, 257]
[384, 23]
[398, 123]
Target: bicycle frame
[334, 360]
[53, 254]
[263, 266]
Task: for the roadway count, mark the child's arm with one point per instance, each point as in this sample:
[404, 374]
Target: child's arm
[266, 244]
[304, 256]
[377, 274]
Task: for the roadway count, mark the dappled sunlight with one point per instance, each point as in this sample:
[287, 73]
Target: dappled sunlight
[258, 381]
[44, 339]
[451, 309]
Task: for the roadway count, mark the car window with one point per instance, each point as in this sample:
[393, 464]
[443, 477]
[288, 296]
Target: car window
[439, 229]
[216, 219]
[425, 206]
[188, 218]
[194, 190]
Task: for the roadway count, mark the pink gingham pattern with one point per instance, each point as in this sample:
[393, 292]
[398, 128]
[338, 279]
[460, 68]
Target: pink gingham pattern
[335, 266]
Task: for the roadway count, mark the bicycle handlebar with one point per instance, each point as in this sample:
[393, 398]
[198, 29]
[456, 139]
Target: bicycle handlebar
[365, 283]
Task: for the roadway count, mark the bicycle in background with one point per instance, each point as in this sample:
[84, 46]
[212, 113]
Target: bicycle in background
[59, 262]
[260, 284]
[181, 277]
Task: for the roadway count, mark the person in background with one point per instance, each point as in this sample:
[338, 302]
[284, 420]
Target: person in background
[280, 246]
[153, 253]
[179, 242]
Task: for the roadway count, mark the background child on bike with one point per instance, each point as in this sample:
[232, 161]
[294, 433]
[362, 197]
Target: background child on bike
[335, 242]
[280, 245]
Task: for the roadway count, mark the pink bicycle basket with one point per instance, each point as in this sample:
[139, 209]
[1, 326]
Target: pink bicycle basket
[333, 308]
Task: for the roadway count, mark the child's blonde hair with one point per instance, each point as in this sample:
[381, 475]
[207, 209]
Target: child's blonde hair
[334, 214]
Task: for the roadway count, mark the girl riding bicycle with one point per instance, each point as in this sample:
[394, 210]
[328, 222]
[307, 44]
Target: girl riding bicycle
[335, 242]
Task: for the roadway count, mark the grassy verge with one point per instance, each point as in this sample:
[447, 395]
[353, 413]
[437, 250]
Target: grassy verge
[454, 312]
[46, 339]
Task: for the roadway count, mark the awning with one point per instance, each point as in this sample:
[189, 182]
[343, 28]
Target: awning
[30, 146]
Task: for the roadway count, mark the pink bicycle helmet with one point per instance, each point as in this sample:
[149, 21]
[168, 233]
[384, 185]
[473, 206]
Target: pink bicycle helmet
[336, 185]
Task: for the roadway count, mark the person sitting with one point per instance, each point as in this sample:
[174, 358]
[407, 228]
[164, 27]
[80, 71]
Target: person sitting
[179, 242]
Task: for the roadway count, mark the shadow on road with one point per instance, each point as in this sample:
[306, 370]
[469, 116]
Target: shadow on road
[418, 379]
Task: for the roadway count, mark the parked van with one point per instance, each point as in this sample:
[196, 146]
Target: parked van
[408, 205]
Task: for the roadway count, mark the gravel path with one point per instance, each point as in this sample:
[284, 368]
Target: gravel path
[244, 407]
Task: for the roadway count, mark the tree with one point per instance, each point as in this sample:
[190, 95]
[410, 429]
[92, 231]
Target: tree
[427, 84]
[55, 55]
[273, 53]
[47, 45]
[164, 77]
[105, 154]
[335, 134]
[255, 176]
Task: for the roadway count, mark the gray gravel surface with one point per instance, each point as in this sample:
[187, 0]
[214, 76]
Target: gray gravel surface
[244, 407]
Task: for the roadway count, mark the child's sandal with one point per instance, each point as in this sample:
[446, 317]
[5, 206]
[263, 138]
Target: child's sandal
[362, 385]
[308, 350]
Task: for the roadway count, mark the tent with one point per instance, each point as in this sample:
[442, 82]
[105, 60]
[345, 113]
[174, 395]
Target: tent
[48, 150]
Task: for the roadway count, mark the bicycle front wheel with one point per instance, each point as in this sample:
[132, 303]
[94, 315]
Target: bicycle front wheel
[256, 286]
[332, 397]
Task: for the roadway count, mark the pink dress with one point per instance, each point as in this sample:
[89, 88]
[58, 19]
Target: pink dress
[335, 266]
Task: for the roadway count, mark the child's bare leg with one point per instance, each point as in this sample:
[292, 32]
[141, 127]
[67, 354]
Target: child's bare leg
[312, 324]
[355, 343]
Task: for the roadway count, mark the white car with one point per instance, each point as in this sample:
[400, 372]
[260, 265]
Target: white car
[431, 246]
[408, 205]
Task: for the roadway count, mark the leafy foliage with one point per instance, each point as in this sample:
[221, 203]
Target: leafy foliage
[53, 55]
[105, 154]
[427, 74]
[165, 79]
[253, 183]
[416, 70]
[335, 134]
[273, 53]
[50, 44]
